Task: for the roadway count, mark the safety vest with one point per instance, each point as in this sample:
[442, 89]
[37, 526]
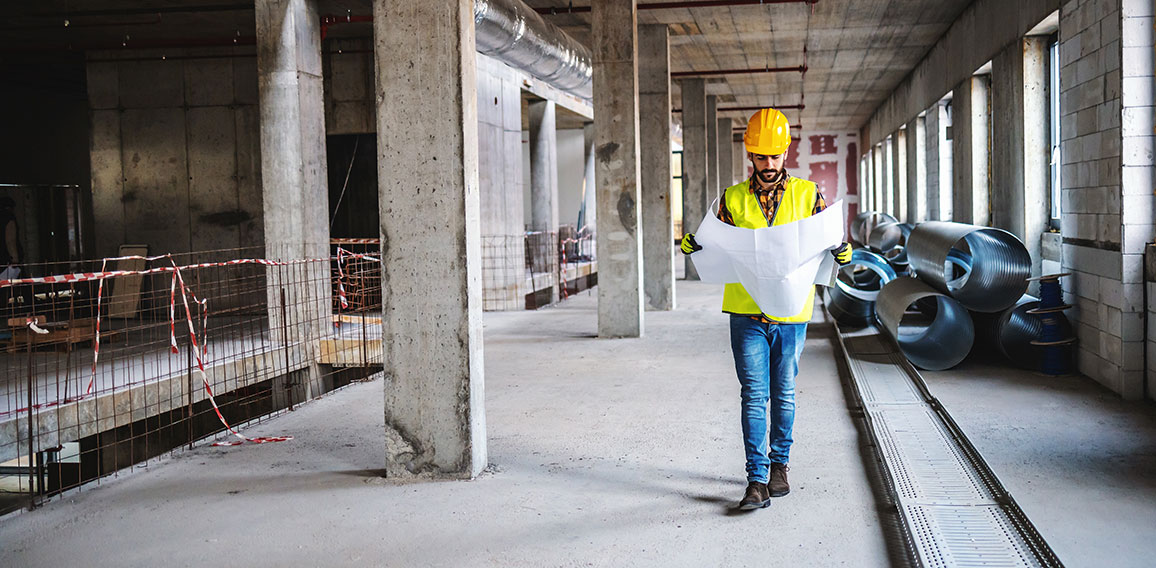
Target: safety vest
[798, 203]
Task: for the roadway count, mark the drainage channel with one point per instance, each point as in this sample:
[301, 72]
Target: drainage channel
[954, 511]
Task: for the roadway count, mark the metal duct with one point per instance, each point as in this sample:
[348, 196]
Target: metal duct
[933, 339]
[890, 240]
[851, 301]
[514, 33]
[863, 223]
[1012, 331]
[1000, 265]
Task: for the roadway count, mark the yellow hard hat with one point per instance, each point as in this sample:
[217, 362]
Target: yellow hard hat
[768, 133]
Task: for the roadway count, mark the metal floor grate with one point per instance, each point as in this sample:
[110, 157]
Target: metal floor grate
[951, 535]
[955, 511]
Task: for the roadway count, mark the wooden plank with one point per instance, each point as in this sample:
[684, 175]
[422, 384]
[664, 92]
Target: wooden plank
[125, 291]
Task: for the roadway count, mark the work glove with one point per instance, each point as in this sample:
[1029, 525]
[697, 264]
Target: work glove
[689, 245]
[842, 254]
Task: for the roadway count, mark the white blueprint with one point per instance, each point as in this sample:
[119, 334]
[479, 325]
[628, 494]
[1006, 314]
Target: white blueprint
[778, 266]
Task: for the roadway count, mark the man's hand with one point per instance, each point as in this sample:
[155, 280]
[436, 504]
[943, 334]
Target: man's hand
[689, 245]
[842, 254]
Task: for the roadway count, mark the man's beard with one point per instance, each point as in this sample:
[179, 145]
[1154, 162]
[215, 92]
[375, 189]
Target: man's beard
[770, 176]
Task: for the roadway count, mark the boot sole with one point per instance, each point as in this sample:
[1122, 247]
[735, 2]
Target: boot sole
[781, 493]
[753, 506]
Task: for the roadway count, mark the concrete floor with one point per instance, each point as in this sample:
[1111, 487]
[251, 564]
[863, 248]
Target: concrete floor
[1079, 461]
[605, 453]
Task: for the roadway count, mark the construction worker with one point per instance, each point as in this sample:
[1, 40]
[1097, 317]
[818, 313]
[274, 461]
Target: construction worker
[767, 348]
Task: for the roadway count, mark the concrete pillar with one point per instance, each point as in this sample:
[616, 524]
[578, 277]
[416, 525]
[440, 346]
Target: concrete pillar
[712, 134]
[1020, 143]
[654, 135]
[877, 196]
[431, 245]
[726, 159]
[738, 159]
[932, 124]
[544, 180]
[694, 188]
[899, 174]
[887, 201]
[620, 293]
[589, 194]
[970, 116]
[916, 171]
[543, 167]
[294, 186]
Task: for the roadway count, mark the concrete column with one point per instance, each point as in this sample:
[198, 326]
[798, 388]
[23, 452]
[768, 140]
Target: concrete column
[620, 293]
[932, 124]
[712, 176]
[431, 246]
[887, 201]
[1020, 143]
[694, 187]
[654, 134]
[738, 160]
[591, 219]
[726, 159]
[543, 167]
[970, 116]
[294, 175]
[899, 174]
[877, 196]
[916, 171]
[544, 180]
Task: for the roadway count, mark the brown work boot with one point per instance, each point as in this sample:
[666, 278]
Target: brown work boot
[756, 497]
[778, 485]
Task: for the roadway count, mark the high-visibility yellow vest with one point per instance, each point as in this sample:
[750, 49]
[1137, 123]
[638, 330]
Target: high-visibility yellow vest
[798, 203]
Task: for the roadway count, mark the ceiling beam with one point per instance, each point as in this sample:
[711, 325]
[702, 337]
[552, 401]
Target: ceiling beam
[672, 5]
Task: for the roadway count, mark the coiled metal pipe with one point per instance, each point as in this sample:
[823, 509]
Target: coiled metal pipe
[1012, 331]
[890, 240]
[851, 301]
[933, 338]
[1000, 265]
[514, 33]
[864, 222]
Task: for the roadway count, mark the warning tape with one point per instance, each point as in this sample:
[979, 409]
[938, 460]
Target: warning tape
[199, 347]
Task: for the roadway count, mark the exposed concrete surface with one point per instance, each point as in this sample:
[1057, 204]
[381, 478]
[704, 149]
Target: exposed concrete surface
[1080, 461]
[654, 156]
[430, 238]
[694, 170]
[621, 300]
[607, 453]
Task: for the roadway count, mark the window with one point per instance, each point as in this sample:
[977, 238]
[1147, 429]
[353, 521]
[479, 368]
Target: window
[1055, 163]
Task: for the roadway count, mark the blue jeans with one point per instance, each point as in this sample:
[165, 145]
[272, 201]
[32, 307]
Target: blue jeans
[767, 360]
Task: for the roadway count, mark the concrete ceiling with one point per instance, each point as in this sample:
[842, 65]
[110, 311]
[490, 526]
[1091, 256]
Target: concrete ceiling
[857, 50]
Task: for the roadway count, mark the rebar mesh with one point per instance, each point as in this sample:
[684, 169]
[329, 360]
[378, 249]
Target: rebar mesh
[535, 269]
[178, 337]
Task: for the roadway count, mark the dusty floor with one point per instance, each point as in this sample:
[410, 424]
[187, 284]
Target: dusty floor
[1078, 460]
[604, 452]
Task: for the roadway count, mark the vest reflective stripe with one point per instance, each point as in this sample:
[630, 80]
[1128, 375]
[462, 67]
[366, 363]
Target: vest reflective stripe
[798, 203]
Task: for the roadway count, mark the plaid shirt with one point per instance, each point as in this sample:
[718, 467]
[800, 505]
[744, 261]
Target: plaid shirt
[770, 198]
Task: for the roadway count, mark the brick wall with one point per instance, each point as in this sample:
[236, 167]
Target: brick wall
[1106, 220]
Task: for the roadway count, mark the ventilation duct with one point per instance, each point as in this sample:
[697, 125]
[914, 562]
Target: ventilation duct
[514, 33]
[937, 335]
[1000, 265]
[851, 301]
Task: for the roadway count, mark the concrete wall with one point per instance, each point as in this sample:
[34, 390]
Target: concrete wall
[348, 76]
[981, 31]
[175, 153]
[571, 169]
[830, 159]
